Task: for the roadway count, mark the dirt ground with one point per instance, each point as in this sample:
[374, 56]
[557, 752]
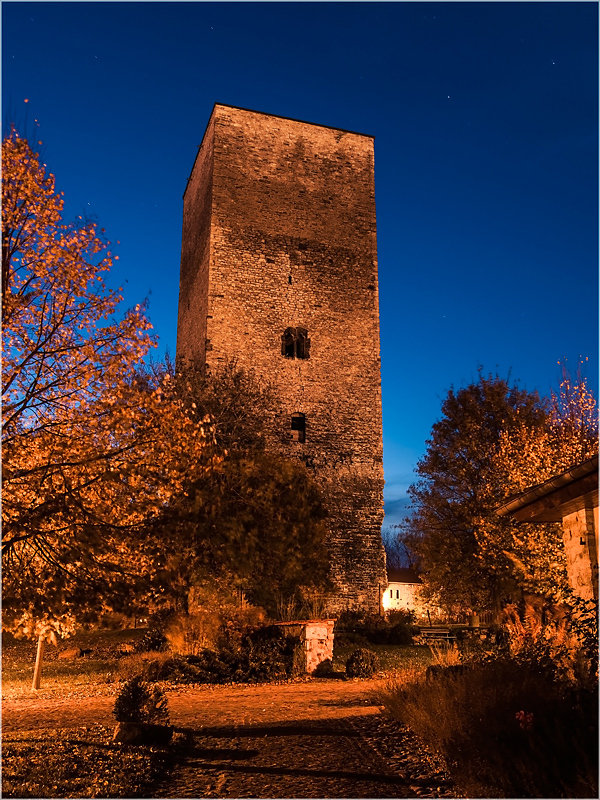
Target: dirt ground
[314, 738]
[202, 706]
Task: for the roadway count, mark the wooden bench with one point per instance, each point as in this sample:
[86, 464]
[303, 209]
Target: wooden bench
[437, 635]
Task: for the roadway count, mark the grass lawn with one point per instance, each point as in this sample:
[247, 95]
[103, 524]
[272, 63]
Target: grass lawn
[394, 660]
[102, 667]
[99, 667]
[74, 762]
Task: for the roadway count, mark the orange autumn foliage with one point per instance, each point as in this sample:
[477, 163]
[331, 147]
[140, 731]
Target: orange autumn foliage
[89, 450]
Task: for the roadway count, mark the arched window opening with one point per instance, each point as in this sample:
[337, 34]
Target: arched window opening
[295, 343]
[302, 343]
[298, 427]
[288, 343]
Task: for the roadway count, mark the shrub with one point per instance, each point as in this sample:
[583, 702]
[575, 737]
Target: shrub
[402, 627]
[507, 728]
[324, 669]
[445, 655]
[347, 621]
[270, 654]
[400, 615]
[313, 602]
[216, 625]
[374, 628]
[206, 666]
[138, 701]
[136, 664]
[155, 639]
[152, 641]
[362, 663]
[161, 619]
[401, 633]
[267, 653]
[190, 634]
[353, 627]
[236, 624]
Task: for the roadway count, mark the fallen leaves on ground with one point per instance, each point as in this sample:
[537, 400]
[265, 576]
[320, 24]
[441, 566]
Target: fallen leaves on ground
[77, 762]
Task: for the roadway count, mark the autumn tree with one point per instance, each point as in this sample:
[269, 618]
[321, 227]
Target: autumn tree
[256, 520]
[82, 447]
[398, 552]
[493, 441]
[238, 402]
[459, 484]
[569, 437]
[529, 455]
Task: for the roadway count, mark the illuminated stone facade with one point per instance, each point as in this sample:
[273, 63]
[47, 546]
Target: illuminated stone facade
[580, 536]
[279, 270]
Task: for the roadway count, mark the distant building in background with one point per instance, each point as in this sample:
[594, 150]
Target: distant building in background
[404, 592]
[571, 499]
[279, 272]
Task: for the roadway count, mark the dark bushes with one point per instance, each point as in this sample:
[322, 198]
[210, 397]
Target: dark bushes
[270, 654]
[506, 728]
[356, 628]
[206, 667]
[324, 669]
[155, 640]
[262, 655]
[139, 702]
[151, 641]
[362, 663]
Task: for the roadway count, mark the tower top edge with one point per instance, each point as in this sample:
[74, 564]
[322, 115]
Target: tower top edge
[291, 119]
[266, 114]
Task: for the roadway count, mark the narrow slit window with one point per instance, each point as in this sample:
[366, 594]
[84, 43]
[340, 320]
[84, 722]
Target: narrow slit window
[298, 427]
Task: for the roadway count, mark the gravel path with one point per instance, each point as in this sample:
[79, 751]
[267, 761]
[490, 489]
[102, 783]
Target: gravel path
[308, 738]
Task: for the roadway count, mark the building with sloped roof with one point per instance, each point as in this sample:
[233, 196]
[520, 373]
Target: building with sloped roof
[570, 498]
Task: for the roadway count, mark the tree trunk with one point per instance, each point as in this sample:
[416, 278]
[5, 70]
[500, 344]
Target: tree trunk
[37, 673]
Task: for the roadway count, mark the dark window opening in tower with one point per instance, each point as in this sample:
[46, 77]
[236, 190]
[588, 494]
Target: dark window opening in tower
[289, 279]
[298, 427]
[295, 343]
[288, 343]
[302, 343]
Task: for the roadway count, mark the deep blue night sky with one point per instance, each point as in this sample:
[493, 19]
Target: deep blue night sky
[485, 117]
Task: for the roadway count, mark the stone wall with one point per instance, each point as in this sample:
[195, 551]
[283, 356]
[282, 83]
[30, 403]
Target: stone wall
[580, 536]
[279, 234]
[316, 636]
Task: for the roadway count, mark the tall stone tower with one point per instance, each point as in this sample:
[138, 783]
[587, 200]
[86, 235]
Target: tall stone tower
[279, 271]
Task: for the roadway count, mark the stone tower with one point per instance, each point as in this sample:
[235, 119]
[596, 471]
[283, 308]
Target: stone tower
[279, 270]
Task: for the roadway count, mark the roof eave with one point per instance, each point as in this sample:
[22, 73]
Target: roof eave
[536, 493]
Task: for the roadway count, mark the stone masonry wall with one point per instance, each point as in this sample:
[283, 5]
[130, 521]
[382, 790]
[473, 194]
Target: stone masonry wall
[580, 536]
[195, 254]
[291, 211]
[317, 640]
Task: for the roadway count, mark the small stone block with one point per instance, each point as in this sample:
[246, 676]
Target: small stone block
[71, 652]
[142, 733]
